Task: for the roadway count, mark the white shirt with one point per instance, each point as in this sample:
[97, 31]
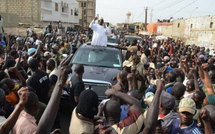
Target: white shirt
[99, 34]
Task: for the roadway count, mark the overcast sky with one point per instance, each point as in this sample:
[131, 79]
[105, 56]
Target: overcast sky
[114, 11]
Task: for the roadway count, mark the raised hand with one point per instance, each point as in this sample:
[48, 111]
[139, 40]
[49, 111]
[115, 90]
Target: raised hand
[110, 92]
[23, 95]
[205, 66]
[183, 60]
[64, 69]
[160, 84]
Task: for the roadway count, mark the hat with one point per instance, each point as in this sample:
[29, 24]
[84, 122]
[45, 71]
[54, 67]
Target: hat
[167, 101]
[149, 97]
[127, 63]
[152, 65]
[100, 18]
[31, 51]
[46, 54]
[187, 105]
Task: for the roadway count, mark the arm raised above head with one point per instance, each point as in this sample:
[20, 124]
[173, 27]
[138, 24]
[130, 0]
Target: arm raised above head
[50, 113]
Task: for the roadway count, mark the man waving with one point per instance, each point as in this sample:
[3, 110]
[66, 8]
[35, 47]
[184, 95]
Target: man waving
[100, 32]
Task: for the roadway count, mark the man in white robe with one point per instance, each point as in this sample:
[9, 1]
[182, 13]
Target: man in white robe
[100, 32]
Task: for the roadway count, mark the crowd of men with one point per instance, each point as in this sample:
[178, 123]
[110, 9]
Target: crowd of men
[165, 86]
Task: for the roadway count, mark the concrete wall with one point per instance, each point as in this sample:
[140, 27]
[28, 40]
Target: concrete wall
[48, 13]
[200, 33]
[165, 30]
[194, 30]
[19, 11]
[37, 12]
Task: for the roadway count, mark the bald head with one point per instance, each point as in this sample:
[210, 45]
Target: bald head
[112, 110]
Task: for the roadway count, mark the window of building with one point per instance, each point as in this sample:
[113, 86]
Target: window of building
[85, 12]
[191, 26]
[83, 4]
[62, 9]
[71, 11]
[211, 25]
[178, 25]
[56, 7]
[76, 12]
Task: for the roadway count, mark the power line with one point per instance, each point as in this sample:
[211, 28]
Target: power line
[183, 8]
[140, 14]
[163, 1]
[170, 5]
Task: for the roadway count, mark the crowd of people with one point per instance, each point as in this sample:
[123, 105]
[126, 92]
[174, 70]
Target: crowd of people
[164, 86]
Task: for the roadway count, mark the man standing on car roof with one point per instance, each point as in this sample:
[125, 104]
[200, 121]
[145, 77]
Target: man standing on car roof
[100, 32]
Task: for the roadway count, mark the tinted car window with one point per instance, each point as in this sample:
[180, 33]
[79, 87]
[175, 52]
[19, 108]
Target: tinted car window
[112, 40]
[98, 57]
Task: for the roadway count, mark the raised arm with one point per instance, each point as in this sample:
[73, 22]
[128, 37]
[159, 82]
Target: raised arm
[11, 120]
[93, 25]
[38, 50]
[152, 114]
[206, 79]
[49, 115]
[196, 84]
[204, 115]
[134, 103]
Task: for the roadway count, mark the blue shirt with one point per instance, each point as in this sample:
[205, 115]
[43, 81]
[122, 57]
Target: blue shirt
[169, 90]
[124, 111]
[192, 129]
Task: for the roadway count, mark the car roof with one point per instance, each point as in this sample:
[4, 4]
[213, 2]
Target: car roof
[135, 36]
[108, 47]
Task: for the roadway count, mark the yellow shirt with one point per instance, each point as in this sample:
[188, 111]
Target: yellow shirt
[132, 48]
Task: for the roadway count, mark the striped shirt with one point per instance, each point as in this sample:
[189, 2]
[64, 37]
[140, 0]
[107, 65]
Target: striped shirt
[132, 124]
[192, 129]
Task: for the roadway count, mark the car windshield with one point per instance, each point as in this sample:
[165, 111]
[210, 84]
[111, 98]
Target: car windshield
[98, 57]
[112, 40]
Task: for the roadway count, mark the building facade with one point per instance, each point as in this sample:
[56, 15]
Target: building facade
[195, 30]
[39, 12]
[87, 12]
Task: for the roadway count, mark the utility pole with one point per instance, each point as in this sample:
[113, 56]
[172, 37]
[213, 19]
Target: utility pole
[146, 15]
[151, 15]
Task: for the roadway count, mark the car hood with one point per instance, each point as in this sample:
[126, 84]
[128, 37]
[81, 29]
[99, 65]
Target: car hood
[100, 73]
